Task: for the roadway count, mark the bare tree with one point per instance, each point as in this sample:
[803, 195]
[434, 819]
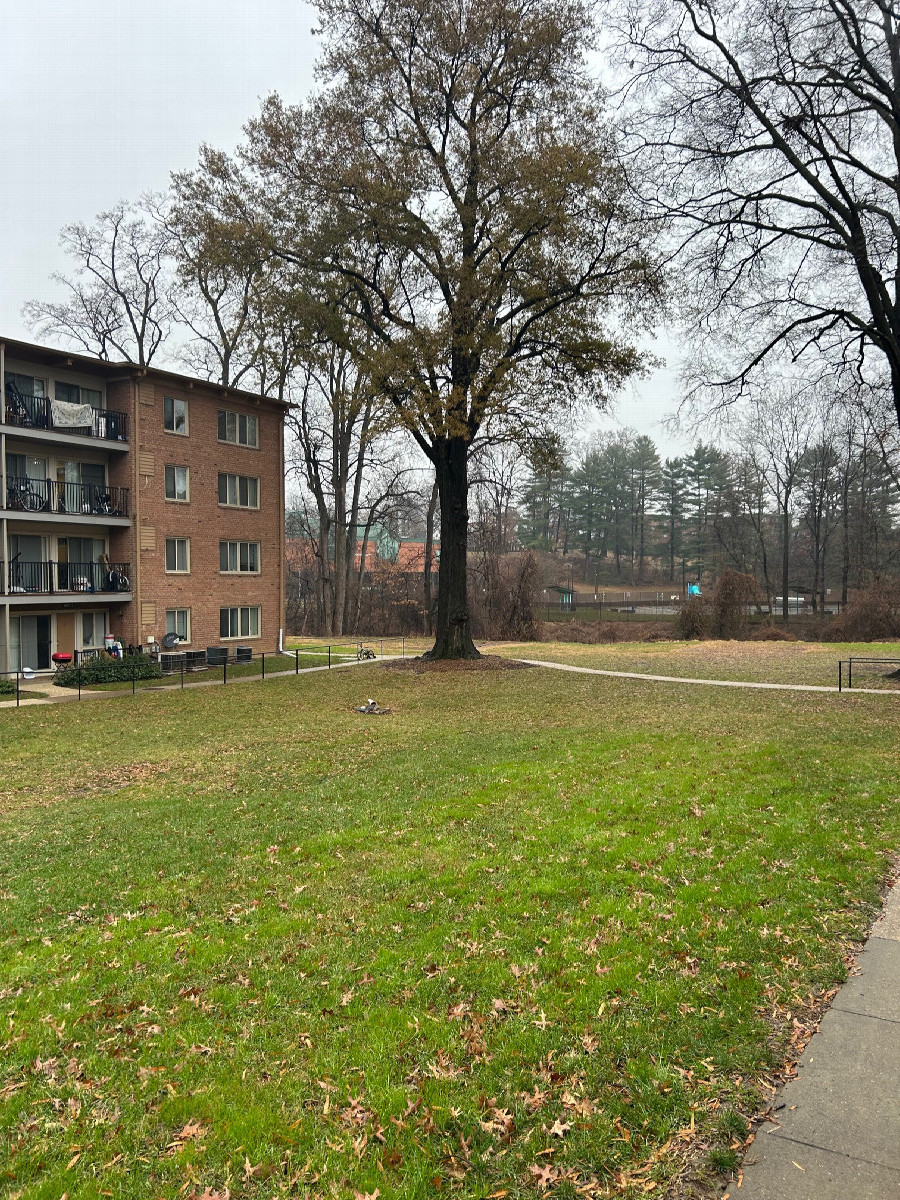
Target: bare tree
[119, 301]
[772, 130]
[776, 438]
[228, 289]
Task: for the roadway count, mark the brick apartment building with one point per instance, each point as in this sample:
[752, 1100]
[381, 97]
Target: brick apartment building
[135, 502]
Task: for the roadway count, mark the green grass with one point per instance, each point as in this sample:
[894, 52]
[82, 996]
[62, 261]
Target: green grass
[760, 662]
[529, 922]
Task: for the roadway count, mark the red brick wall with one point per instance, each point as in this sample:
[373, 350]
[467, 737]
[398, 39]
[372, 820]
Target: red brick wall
[202, 519]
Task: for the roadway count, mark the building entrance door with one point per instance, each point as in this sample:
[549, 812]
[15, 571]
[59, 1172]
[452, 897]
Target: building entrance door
[32, 647]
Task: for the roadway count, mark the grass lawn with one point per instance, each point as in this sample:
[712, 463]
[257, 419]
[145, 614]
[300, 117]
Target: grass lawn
[525, 935]
[760, 662]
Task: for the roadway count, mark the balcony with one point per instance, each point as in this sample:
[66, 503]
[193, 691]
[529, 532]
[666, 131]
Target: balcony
[70, 499]
[52, 578]
[42, 413]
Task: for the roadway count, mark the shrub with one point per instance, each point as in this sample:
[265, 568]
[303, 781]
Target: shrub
[873, 615]
[771, 633]
[110, 670]
[694, 619]
[732, 596]
[7, 687]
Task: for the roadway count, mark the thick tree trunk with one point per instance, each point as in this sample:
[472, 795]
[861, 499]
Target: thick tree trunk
[429, 560]
[453, 638]
[785, 559]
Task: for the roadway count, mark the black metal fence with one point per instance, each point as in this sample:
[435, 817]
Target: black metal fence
[217, 664]
[48, 578]
[80, 499]
[867, 666]
[39, 412]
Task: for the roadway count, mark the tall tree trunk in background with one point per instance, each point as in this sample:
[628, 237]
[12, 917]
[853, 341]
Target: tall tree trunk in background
[451, 467]
[785, 556]
[429, 559]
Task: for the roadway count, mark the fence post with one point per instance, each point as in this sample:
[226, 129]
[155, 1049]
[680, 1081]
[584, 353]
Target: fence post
[18, 672]
[849, 672]
[329, 658]
[382, 645]
[79, 683]
[263, 656]
[402, 646]
[181, 661]
[840, 674]
[225, 668]
[296, 656]
[134, 674]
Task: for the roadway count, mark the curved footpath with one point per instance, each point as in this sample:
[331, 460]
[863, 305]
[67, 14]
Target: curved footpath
[57, 695]
[731, 683]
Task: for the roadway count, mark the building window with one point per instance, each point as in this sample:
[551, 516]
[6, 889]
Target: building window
[24, 399]
[238, 622]
[242, 557]
[238, 428]
[93, 629]
[73, 393]
[177, 483]
[175, 415]
[178, 555]
[178, 620]
[239, 490]
[26, 385]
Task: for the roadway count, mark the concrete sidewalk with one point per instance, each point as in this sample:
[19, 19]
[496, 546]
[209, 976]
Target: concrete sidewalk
[838, 1131]
[726, 683]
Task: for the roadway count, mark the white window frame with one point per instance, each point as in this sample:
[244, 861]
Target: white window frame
[236, 556]
[240, 609]
[176, 570]
[173, 612]
[235, 423]
[175, 400]
[236, 490]
[186, 498]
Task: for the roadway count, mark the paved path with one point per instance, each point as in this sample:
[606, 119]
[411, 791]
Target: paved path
[838, 1136]
[728, 683]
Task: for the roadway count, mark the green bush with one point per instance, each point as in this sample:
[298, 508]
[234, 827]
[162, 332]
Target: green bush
[7, 687]
[110, 670]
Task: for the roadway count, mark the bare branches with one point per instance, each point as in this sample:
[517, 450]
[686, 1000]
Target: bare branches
[118, 303]
[773, 130]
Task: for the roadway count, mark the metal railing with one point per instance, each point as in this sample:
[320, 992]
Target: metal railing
[82, 499]
[37, 412]
[48, 578]
[871, 665]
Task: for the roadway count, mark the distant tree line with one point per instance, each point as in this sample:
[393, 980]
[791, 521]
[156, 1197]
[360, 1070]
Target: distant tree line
[803, 506]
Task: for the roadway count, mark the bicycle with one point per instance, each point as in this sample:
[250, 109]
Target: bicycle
[22, 497]
[363, 653]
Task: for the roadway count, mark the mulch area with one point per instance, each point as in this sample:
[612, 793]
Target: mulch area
[487, 662]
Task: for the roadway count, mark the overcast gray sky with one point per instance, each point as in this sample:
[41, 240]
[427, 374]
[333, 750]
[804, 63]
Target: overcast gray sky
[100, 100]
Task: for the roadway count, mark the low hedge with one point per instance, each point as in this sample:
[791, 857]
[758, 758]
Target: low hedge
[110, 670]
[7, 687]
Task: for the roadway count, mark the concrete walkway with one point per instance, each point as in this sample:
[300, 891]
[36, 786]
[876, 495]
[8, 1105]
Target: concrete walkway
[727, 683]
[838, 1131]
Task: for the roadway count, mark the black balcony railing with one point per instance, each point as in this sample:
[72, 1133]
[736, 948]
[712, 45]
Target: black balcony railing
[40, 412]
[49, 495]
[48, 578]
